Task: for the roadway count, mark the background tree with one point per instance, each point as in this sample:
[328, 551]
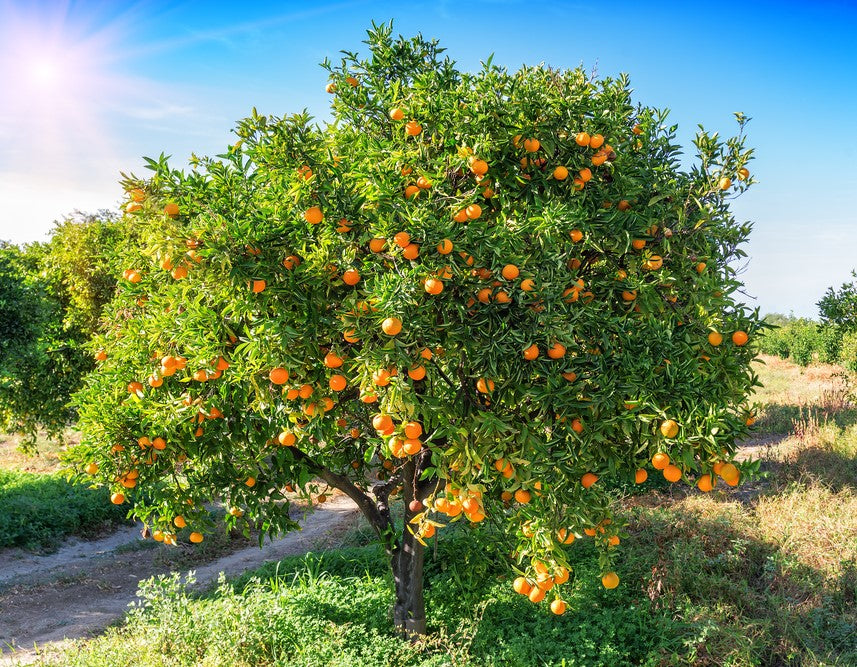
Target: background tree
[51, 296]
[489, 295]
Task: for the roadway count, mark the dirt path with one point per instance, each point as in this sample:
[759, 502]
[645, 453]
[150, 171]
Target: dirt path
[85, 587]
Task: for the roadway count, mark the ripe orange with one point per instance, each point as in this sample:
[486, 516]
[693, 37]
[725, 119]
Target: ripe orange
[582, 139]
[377, 245]
[402, 239]
[640, 476]
[577, 426]
[560, 173]
[700, 267]
[728, 472]
[286, 438]
[171, 209]
[743, 174]
[412, 446]
[313, 215]
[596, 140]
[383, 423]
[569, 376]
[585, 175]
[558, 607]
[740, 338]
[279, 375]
[331, 360]
[522, 586]
[396, 114]
[510, 272]
[706, 482]
[672, 473]
[660, 461]
[337, 382]
[444, 247]
[484, 386]
[564, 536]
[411, 192]
[413, 128]
[715, 338]
[532, 352]
[381, 377]
[578, 184]
[532, 145]
[629, 295]
[305, 391]
[423, 183]
[159, 444]
[351, 277]
[433, 286]
[259, 286]
[610, 580]
[196, 538]
[411, 251]
[473, 211]
[638, 244]
[556, 351]
[599, 158]
[536, 594]
[91, 468]
[522, 496]
[588, 480]
[669, 428]
[117, 498]
[479, 167]
[724, 183]
[623, 205]
[576, 235]
[417, 372]
[391, 326]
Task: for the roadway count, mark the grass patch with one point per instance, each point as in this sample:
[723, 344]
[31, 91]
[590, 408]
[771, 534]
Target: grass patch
[45, 459]
[38, 510]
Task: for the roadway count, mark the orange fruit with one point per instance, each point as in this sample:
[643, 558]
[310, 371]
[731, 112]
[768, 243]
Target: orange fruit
[159, 444]
[133, 207]
[623, 205]
[556, 351]
[510, 272]
[564, 536]
[576, 235]
[286, 438]
[700, 267]
[577, 426]
[669, 428]
[599, 158]
[313, 215]
[351, 277]
[413, 128]
[412, 446]
[596, 140]
[728, 472]
[417, 372]
[411, 191]
[305, 391]
[560, 173]
[484, 386]
[706, 482]
[660, 461]
[195, 537]
[672, 473]
[383, 423]
[743, 174]
[377, 245]
[444, 247]
[91, 468]
[532, 352]
[411, 251]
[536, 594]
[117, 498]
[740, 338]
[629, 295]
[588, 480]
[331, 360]
[391, 326]
[473, 211]
[558, 607]
[522, 496]
[291, 262]
[532, 145]
[638, 244]
[423, 183]
[578, 184]
[350, 336]
[337, 382]
[522, 586]
[528, 285]
[381, 377]
[259, 286]
[279, 375]
[585, 175]
[640, 476]
[715, 338]
[569, 376]
[433, 286]
[171, 209]
[724, 183]
[610, 580]
[351, 81]
[402, 239]
[479, 167]
[396, 114]
[582, 139]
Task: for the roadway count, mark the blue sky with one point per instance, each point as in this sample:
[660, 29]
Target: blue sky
[96, 85]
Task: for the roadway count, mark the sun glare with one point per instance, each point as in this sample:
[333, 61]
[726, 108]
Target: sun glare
[44, 73]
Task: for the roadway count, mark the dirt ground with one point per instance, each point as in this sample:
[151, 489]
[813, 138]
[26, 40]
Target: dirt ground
[86, 586]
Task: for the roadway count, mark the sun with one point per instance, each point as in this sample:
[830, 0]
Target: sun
[44, 72]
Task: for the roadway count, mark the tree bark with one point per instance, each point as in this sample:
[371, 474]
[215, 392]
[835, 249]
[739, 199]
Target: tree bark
[409, 612]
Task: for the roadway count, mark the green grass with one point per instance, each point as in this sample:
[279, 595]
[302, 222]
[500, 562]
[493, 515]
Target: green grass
[38, 510]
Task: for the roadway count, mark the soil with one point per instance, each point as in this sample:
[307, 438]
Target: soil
[86, 586]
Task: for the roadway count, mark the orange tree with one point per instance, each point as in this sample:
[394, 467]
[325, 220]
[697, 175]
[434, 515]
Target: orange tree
[492, 295]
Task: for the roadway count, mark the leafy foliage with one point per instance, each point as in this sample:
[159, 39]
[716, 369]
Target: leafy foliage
[839, 307]
[397, 263]
[51, 296]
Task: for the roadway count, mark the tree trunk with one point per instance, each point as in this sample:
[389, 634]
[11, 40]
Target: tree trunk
[409, 612]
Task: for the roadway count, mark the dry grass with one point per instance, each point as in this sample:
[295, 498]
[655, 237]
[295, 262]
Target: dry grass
[46, 460]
